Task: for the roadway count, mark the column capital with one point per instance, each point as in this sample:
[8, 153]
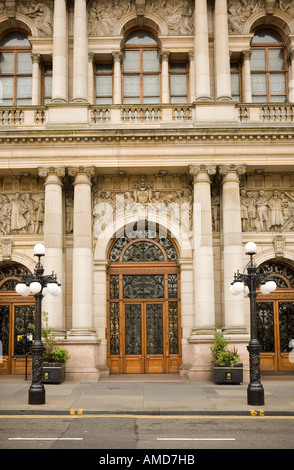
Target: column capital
[117, 56]
[233, 170]
[82, 174]
[45, 171]
[202, 170]
[246, 54]
[164, 55]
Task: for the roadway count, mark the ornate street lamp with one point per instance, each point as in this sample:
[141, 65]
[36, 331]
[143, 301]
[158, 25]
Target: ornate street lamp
[37, 284]
[248, 283]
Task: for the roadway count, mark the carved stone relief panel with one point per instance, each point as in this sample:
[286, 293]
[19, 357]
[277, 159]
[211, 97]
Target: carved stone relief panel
[177, 14]
[267, 203]
[41, 12]
[164, 195]
[21, 206]
[240, 11]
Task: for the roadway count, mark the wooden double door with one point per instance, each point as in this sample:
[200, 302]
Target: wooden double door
[144, 331]
[15, 342]
[275, 321]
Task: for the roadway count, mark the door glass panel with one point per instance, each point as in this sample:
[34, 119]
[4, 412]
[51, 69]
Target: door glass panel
[143, 252]
[154, 328]
[172, 286]
[173, 328]
[114, 328]
[265, 326]
[143, 286]
[133, 329]
[23, 315]
[286, 322]
[4, 329]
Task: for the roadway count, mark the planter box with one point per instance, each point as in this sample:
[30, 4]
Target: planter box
[227, 374]
[53, 372]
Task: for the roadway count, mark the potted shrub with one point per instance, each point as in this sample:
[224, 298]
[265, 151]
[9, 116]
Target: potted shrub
[226, 366]
[54, 357]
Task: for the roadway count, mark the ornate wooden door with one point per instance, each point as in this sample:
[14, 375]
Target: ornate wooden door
[144, 307]
[275, 320]
[16, 313]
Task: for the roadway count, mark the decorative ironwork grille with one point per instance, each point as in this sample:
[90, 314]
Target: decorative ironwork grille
[265, 326]
[114, 328]
[173, 327]
[23, 315]
[286, 323]
[154, 328]
[143, 286]
[4, 328]
[133, 336]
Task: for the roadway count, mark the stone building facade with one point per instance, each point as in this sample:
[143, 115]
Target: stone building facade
[145, 143]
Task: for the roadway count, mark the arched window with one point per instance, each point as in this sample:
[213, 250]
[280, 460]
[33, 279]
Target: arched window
[15, 70]
[268, 67]
[141, 68]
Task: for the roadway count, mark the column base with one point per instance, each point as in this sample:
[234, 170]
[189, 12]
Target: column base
[81, 333]
[208, 330]
[235, 330]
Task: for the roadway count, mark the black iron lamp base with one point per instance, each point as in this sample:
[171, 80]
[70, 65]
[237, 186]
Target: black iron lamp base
[37, 394]
[255, 394]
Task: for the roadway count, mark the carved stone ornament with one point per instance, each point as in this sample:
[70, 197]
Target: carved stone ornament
[6, 247]
[279, 243]
[41, 12]
[10, 6]
[176, 14]
[21, 213]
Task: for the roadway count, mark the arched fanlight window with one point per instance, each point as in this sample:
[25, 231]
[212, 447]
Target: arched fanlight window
[10, 276]
[15, 70]
[141, 68]
[268, 67]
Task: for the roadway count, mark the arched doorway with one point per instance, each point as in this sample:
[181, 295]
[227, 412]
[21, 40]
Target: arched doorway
[16, 313]
[275, 319]
[143, 328]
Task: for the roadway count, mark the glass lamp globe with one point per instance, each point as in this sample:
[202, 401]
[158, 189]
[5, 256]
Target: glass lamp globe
[39, 249]
[238, 287]
[52, 288]
[22, 289]
[271, 286]
[35, 287]
[57, 292]
[264, 290]
[250, 248]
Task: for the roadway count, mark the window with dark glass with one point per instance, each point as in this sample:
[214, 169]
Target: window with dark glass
[141, 68]
[47, 83]
[15, 70]
[178, 75]
[268, 67]
[236, 81]
[103, 83]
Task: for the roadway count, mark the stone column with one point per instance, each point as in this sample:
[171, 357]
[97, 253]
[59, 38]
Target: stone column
[117, 99]
[247, 92]
[53, 241]
[232, 246]
[91, 62]
[36, 79]
[80, 61]
[82, 309]
[165, 77]
[201, 51]
[192, 84]
[59, 74]
[221, 51]
[203, 250]
[291, 74]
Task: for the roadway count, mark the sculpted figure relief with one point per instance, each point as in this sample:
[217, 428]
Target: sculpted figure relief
[21, 214]
[41, 13]
[264, 211]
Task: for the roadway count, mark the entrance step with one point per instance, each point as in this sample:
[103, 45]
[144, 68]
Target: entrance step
[144, 378]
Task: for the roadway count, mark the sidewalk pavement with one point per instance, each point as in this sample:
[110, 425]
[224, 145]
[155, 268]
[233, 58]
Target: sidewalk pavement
[147, 395]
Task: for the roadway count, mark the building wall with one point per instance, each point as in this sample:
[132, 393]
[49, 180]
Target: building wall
[69, 155]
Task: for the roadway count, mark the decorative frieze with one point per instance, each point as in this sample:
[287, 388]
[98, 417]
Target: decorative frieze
[40, 12]
[176, 14]
[160, 195]
[267, 203]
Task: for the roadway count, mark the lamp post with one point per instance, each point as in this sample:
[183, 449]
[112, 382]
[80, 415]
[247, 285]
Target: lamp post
[38, 284]
[248, 283]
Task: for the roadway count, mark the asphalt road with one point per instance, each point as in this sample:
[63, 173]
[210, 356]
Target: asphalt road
[146, 433]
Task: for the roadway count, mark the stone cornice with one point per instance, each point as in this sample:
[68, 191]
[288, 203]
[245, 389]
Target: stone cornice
[148, 135]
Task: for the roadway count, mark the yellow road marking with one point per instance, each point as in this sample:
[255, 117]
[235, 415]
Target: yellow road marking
[80, 416]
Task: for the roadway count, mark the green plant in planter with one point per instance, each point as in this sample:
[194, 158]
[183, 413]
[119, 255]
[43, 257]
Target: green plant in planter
[220, 354]
[52, 352]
